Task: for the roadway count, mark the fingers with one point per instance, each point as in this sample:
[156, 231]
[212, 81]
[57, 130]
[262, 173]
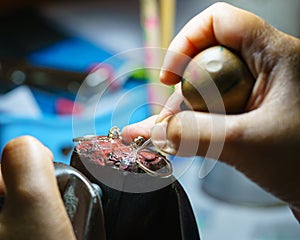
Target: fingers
[219, 24]
[242, 140]
[32, 197]
[215, 136]
[190, 133]
[27, 169]
[143, 128]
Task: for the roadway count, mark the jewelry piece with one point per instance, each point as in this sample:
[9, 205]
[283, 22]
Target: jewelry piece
[114, 132]
[140, 156]
[137, 142]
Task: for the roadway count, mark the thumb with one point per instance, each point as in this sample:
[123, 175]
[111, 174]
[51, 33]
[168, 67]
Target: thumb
[246, 141]
[190, 133]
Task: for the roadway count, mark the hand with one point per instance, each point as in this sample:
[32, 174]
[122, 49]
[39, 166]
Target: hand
[263, 141]
[33, 207]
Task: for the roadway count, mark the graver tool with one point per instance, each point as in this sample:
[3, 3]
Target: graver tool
[215, 72]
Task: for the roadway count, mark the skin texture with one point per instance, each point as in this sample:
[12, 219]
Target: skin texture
[33, 207]
[263, 141]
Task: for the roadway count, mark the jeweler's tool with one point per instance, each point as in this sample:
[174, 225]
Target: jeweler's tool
[83, 203]
[217, 72]
[147, 144]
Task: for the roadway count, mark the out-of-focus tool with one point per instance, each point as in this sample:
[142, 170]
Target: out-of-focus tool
[167, 19]
[150, 22]
[217, 72]
[17, 72]
[157, 23]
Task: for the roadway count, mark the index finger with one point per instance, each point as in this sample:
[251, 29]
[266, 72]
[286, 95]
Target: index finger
[221, 24]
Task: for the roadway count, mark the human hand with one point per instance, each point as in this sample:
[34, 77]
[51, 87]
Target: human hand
[33, 208]
[263, 141]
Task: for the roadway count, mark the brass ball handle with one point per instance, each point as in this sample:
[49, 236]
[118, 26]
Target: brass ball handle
[217, 72]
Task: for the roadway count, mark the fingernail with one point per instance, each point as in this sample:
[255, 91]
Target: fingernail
[159, 135]
[159, 138]
[162, 74]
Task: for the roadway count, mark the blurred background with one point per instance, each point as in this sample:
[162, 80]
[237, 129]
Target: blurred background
[48, 48]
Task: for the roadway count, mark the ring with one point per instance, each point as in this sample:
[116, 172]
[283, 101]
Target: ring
[157, 173]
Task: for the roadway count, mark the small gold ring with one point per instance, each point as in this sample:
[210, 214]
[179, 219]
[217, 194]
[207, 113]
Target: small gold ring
[157, 173]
